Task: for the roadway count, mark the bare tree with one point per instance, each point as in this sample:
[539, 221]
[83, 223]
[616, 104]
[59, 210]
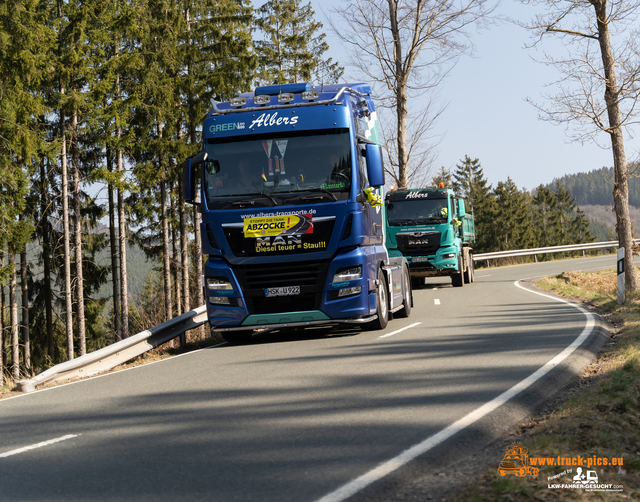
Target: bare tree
[421, 147]
[407, 47]
[599, 86]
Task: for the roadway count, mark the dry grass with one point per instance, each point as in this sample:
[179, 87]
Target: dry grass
[601, 415]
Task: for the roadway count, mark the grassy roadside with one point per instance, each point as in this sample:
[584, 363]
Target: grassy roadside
[601, 416]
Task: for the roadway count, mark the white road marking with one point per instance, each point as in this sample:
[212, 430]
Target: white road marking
[436, 301]
[353, 487]
[400, 330]
[39, 445]
[485, 275]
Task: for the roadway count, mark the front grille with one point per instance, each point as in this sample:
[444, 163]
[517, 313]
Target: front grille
[254, 279]
[418, 244]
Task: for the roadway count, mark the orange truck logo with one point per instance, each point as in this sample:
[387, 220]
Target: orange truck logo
[516, 461]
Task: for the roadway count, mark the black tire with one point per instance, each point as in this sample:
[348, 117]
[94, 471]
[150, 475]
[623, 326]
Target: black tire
[417, 282]
[237, 337]
[406, 300]
[457, 279]
[468, 273]
[382, 304]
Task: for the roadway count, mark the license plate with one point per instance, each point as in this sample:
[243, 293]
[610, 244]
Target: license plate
[418, 259]
[286, 291]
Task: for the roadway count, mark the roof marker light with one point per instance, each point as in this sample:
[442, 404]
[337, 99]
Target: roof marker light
[310, 95]
[238, 101]
[285, 97]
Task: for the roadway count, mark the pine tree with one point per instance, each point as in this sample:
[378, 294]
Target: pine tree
[22, 36]
[293, 50]
[443, 176]
[547, 216]
[514, 228]
[468, 181]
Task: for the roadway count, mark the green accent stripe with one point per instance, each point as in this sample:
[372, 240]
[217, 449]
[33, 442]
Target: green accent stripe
[288, 317]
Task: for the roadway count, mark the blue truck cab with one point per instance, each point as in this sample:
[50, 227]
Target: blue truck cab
[291, 188]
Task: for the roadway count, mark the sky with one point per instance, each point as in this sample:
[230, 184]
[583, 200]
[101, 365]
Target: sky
[487, 117]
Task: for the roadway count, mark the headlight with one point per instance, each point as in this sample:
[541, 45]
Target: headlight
[219, 283]
[349, 291]
[348, 274]
[219, 300]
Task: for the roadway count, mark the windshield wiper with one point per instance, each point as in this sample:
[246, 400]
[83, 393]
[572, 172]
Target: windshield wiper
[275, 202]
[323, 190]
[251, 202]
[402, 222]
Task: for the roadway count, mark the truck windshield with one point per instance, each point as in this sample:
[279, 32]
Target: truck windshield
[280, 166]
[417, 212]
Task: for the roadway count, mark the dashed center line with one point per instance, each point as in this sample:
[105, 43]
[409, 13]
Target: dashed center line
[400, 330]
[38, 445]
[436, 301]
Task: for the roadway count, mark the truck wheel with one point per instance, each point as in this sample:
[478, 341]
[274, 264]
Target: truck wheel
[237, 337]
[457, 279]
[417, 282]
[468, 273]
[406, 300]
[382, 304]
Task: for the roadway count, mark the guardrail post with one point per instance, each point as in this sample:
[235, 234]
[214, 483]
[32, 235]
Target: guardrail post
[621, 288]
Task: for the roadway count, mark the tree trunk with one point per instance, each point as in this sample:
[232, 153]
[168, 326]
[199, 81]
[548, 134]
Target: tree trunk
[66, 238]
[620, 188]
[401, 95]
[46, 259]
[122, 231]
[25, 309]
[176, 260]
[114, 255]
[13, 320]
[2, 360]
[184, 248]
[196, 213]
[198, 261]
[166, 258]
[77, 232]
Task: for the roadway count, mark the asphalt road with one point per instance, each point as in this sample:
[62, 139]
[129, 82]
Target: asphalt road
[292, 416]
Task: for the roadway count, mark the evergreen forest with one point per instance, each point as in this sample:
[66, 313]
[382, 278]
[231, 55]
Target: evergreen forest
[595, 187]
[507, 217]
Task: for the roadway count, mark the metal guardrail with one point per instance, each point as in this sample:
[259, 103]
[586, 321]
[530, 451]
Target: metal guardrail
[552, 249]
[111, 356]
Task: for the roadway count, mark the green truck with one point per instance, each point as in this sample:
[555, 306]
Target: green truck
[431, 229]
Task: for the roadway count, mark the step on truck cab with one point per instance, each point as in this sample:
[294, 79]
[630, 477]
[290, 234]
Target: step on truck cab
[291, 188]
[431, 229]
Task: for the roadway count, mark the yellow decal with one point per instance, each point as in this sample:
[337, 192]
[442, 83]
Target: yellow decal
[278, 225]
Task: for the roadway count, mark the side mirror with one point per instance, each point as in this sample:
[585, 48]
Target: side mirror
[375, 168]
[460, 209]
[188, 176]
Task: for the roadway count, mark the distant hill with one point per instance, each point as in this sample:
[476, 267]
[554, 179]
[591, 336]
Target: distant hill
[595, 188]
[594, 194]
